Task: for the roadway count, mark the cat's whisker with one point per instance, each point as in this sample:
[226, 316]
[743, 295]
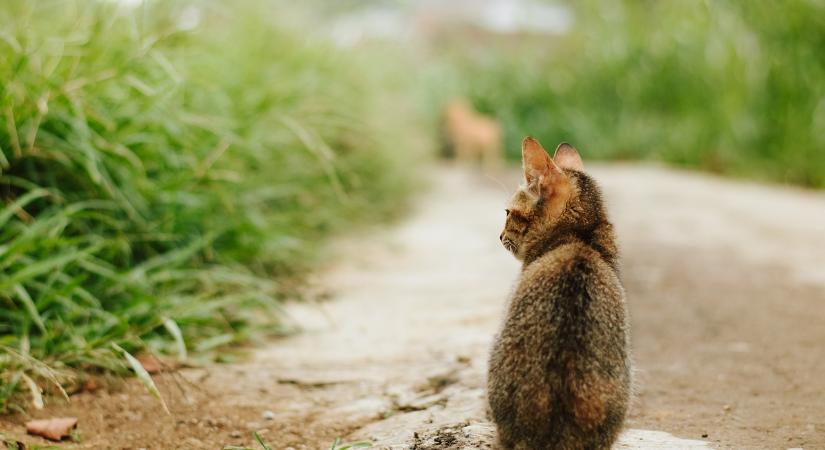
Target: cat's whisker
[499, 183]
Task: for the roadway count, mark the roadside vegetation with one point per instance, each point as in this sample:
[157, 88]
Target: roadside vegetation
[168, 171]
[730, 87]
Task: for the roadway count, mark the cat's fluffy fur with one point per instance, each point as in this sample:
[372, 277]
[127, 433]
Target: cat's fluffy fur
[559, 374]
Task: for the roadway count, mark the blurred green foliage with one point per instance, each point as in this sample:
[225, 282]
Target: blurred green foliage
[730, 87]
[174, 166]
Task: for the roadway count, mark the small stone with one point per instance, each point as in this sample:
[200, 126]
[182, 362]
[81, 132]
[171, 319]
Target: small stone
[704, 435]
[235, 434]
[268, 415]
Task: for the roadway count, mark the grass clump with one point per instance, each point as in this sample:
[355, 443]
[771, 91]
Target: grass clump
[165, 169]
[728, 87]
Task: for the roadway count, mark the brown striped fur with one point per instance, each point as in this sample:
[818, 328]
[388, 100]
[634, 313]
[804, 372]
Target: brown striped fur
[559, 374]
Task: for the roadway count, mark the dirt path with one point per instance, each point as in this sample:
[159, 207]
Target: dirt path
[726, 284]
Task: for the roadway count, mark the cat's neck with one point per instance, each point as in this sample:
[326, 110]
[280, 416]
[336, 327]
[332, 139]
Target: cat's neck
[600, 238]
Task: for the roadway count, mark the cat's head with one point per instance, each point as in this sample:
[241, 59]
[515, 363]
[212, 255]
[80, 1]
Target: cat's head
[557, 196]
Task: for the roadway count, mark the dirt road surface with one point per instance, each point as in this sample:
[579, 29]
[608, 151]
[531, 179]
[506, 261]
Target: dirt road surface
[726, 289]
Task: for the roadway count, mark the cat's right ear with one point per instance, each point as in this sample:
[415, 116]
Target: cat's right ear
[536, 161]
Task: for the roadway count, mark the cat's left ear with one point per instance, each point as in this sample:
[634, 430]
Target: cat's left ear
[567, 157]
[538, 165]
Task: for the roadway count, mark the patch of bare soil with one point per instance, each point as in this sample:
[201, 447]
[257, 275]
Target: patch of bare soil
[727, 297]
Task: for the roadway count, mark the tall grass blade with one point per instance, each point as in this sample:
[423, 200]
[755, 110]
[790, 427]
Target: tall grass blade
[34, 389]
[28, 303]
[176, 333]
[143, 376]
[260, 441]
[9, 210]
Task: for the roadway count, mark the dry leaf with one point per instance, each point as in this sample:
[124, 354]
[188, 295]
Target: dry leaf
[54, 429]
[91, 384]
[150, 363]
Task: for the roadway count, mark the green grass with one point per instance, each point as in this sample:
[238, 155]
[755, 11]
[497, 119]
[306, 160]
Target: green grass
[12, 444]
[338, 445]
[729, 87]
[167, 173]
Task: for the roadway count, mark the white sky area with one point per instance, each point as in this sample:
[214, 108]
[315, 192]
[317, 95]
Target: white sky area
[402, 22]
[128, 2]
[498, 16]
[508, 16]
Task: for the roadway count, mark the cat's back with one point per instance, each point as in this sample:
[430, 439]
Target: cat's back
[567, 272]
[573, 303]
[559, 370]
[567, 304]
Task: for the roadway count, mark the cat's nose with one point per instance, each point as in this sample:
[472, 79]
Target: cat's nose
[501, 236]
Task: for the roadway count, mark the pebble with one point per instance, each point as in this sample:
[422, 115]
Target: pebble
[269, 415]
[215, 423]
[235, 434]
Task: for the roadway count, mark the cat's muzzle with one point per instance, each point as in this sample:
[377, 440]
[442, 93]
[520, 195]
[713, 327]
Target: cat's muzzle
[509, 245]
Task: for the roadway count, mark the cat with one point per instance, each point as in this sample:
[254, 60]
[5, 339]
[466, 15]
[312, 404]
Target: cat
[471, 136]
[559, 370]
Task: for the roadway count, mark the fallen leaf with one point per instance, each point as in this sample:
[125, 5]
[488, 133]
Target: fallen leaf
[149, 363]
[91, 384]
[54, 429]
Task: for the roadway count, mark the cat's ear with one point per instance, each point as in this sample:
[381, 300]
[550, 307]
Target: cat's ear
[537, 162]
[567, 157]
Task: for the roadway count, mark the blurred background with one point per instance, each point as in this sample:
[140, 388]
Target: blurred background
[170, 171]
[728, 87]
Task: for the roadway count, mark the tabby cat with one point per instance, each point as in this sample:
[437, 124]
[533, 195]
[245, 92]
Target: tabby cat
[559, 373]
